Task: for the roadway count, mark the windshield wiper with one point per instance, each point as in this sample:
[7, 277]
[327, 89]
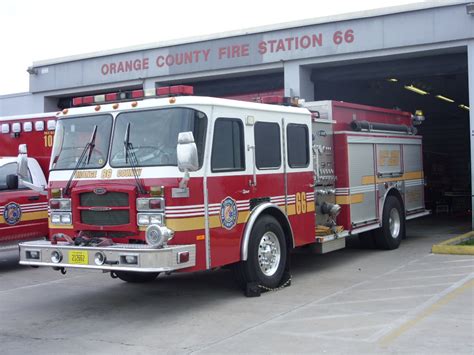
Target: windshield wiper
[128, 148]
[88, 147]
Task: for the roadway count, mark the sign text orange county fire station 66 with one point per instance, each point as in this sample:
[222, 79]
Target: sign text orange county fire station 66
[298, 43]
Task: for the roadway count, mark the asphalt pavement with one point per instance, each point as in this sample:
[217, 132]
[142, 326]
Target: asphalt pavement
[354, 301]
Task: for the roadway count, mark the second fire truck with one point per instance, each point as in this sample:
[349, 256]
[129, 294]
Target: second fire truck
[24, 211]
[188, 183]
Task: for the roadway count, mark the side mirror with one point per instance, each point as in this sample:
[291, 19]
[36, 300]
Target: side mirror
[12, 182]
[187, 152]
[22, 162]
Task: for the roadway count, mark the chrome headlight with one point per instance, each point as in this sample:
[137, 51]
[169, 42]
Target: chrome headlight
[61, 217]
[145, 219]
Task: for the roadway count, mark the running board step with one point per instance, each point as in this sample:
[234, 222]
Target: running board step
[326, 247]
[330, 242]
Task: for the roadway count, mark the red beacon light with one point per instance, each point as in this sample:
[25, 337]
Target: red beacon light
[77, 101]
[163, 91]
[113, 96]
[137, 94]
[181, 90]
[175, 90]
[274, 99]
[54, 204]
[87, 100]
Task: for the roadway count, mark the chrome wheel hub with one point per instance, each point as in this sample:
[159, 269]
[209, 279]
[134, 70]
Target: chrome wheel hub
[394, 223]
[269, 253]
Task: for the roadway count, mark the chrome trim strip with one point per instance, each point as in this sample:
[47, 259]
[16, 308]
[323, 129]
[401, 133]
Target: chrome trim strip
[411, 140]
[149, 259]
[416, 215]
[365, 229]
[285, 172]
[251, 221]
[103, 267]
[206, 169]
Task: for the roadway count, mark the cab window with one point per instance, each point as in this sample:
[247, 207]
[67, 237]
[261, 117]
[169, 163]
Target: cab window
[228, 152]
[298, 145]
[267, 145]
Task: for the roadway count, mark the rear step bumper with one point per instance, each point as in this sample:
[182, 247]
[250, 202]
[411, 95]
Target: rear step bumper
[117, 256]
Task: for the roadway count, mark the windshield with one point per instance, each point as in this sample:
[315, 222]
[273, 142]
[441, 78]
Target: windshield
[72, 136]
[153, 135]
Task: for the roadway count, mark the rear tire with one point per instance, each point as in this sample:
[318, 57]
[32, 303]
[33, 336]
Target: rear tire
[136, 277]
[393, 225]
[267, 255]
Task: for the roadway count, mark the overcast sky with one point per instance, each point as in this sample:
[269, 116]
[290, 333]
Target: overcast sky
[45, 29]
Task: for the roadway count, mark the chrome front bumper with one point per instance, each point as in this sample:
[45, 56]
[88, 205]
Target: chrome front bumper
[148, 259]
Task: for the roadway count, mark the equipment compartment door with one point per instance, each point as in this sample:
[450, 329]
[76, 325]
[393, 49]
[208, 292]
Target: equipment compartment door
[414, 182]
[389, 160]
[362, 193]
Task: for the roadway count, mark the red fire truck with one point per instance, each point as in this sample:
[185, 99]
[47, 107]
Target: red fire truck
[187, 183]
[23, 210]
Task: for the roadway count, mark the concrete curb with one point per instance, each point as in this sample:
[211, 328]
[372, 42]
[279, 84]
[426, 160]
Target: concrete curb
[450, 246]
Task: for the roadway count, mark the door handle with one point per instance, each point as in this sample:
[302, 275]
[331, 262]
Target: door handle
[33, 198]
[244, 191]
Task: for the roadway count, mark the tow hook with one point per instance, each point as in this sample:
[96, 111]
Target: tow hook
[113, 275]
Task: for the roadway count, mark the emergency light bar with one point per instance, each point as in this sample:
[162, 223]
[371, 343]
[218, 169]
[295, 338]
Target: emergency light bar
[164, 91]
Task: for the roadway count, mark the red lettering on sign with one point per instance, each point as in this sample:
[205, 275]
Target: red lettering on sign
[206, 54]
[124, 66]
[280, 45]
[270, 46]
[104, 69]
[160, 61]
[188, 58]
[290, 43]
[340, 37]
[235, 51]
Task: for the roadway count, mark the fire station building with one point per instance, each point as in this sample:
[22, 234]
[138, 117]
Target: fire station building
[416, 57]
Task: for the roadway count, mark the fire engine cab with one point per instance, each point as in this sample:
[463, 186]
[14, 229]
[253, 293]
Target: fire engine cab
[23, 207]
[187, 183]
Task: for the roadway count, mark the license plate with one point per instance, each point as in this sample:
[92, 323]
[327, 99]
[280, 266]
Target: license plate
[78, 257]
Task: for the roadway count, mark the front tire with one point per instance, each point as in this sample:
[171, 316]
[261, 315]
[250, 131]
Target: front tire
[392, 232]
[267, 255]
[136, 277]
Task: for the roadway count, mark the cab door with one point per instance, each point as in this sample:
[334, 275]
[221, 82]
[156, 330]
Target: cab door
[228, 187]
[23, 212]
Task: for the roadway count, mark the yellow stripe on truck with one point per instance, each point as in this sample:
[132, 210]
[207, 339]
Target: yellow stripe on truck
[28, 216]
[350, 199]
[370, 179]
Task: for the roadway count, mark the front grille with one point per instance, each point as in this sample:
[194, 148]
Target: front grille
[109, 199]
[105, 218]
